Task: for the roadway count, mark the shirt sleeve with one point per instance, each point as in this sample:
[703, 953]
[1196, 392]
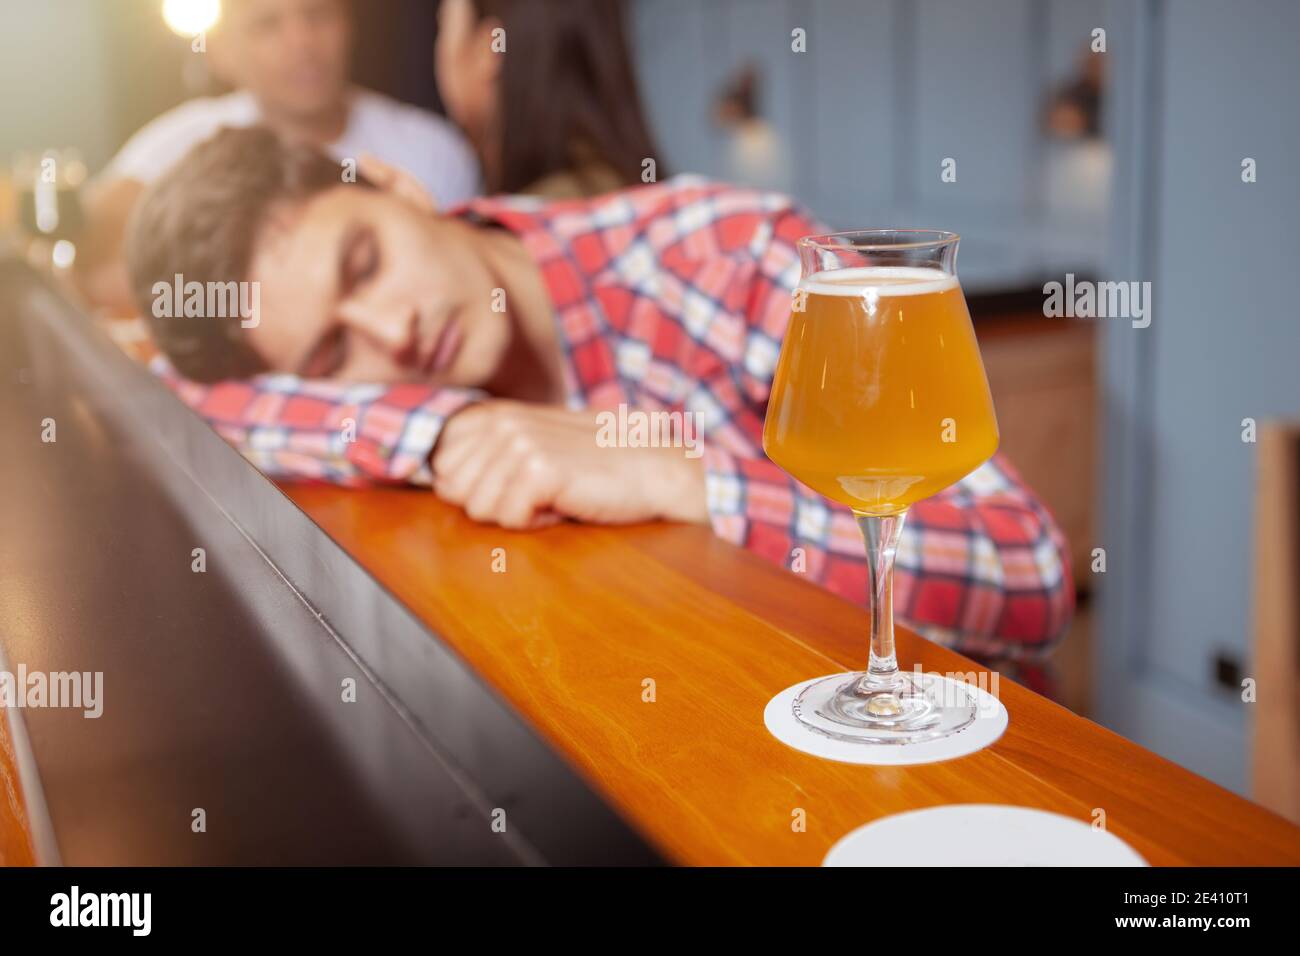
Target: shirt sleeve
[981, 566]
[164, 140]
[290, 427]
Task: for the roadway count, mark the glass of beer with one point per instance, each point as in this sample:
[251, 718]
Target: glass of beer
[880, 400]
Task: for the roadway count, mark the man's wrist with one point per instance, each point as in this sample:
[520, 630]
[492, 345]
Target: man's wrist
[678, 487]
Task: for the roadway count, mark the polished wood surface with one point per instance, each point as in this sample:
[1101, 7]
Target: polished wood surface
[582, 617]
[15, 833]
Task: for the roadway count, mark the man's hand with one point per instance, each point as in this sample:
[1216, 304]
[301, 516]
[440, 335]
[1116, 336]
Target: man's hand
[523, 466]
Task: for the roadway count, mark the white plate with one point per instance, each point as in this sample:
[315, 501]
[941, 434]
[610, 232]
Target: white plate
[974, 834]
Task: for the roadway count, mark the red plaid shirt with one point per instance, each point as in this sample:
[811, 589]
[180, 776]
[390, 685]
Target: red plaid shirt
[674, 297]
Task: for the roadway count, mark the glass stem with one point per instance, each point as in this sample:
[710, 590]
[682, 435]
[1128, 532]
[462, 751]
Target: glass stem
[881, 534]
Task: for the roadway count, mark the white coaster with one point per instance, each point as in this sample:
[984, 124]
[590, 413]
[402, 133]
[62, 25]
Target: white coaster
[990, 721]
[976, 834]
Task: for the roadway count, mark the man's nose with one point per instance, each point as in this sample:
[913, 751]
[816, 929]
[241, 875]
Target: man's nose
[298, 36]
[392, 329]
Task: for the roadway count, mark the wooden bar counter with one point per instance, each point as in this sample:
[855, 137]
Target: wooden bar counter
[16, 845]
[582, 616]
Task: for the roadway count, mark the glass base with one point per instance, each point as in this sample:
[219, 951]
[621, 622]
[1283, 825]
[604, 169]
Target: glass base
[860, 709]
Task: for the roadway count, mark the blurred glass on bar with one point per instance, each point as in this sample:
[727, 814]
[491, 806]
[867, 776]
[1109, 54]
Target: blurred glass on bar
[46, 190]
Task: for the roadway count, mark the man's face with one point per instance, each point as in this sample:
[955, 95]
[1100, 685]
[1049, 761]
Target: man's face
[292, 54]
[357, 284]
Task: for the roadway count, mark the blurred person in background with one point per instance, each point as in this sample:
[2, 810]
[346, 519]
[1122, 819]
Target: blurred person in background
[289, 62]
[546, 92]
[1074, 108]
[755, 154]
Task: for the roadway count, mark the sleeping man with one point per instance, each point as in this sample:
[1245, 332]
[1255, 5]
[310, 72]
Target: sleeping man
[487, 351]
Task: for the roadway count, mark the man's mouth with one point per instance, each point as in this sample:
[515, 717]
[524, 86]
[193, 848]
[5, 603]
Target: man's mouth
[307, 76]
[445, 348]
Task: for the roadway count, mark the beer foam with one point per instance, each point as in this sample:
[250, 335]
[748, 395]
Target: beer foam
[879, 281]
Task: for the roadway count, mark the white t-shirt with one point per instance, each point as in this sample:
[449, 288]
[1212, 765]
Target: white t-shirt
[423, 144]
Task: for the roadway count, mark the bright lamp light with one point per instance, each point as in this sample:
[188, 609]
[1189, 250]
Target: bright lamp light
[191, 17]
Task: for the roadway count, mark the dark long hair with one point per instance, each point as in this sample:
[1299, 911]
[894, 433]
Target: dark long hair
[567, 84]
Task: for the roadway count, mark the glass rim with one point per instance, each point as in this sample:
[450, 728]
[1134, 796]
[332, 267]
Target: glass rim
[935, 238]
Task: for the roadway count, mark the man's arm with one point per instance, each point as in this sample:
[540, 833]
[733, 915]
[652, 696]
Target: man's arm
[100, 270]
[981, 566]
[334, 431]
